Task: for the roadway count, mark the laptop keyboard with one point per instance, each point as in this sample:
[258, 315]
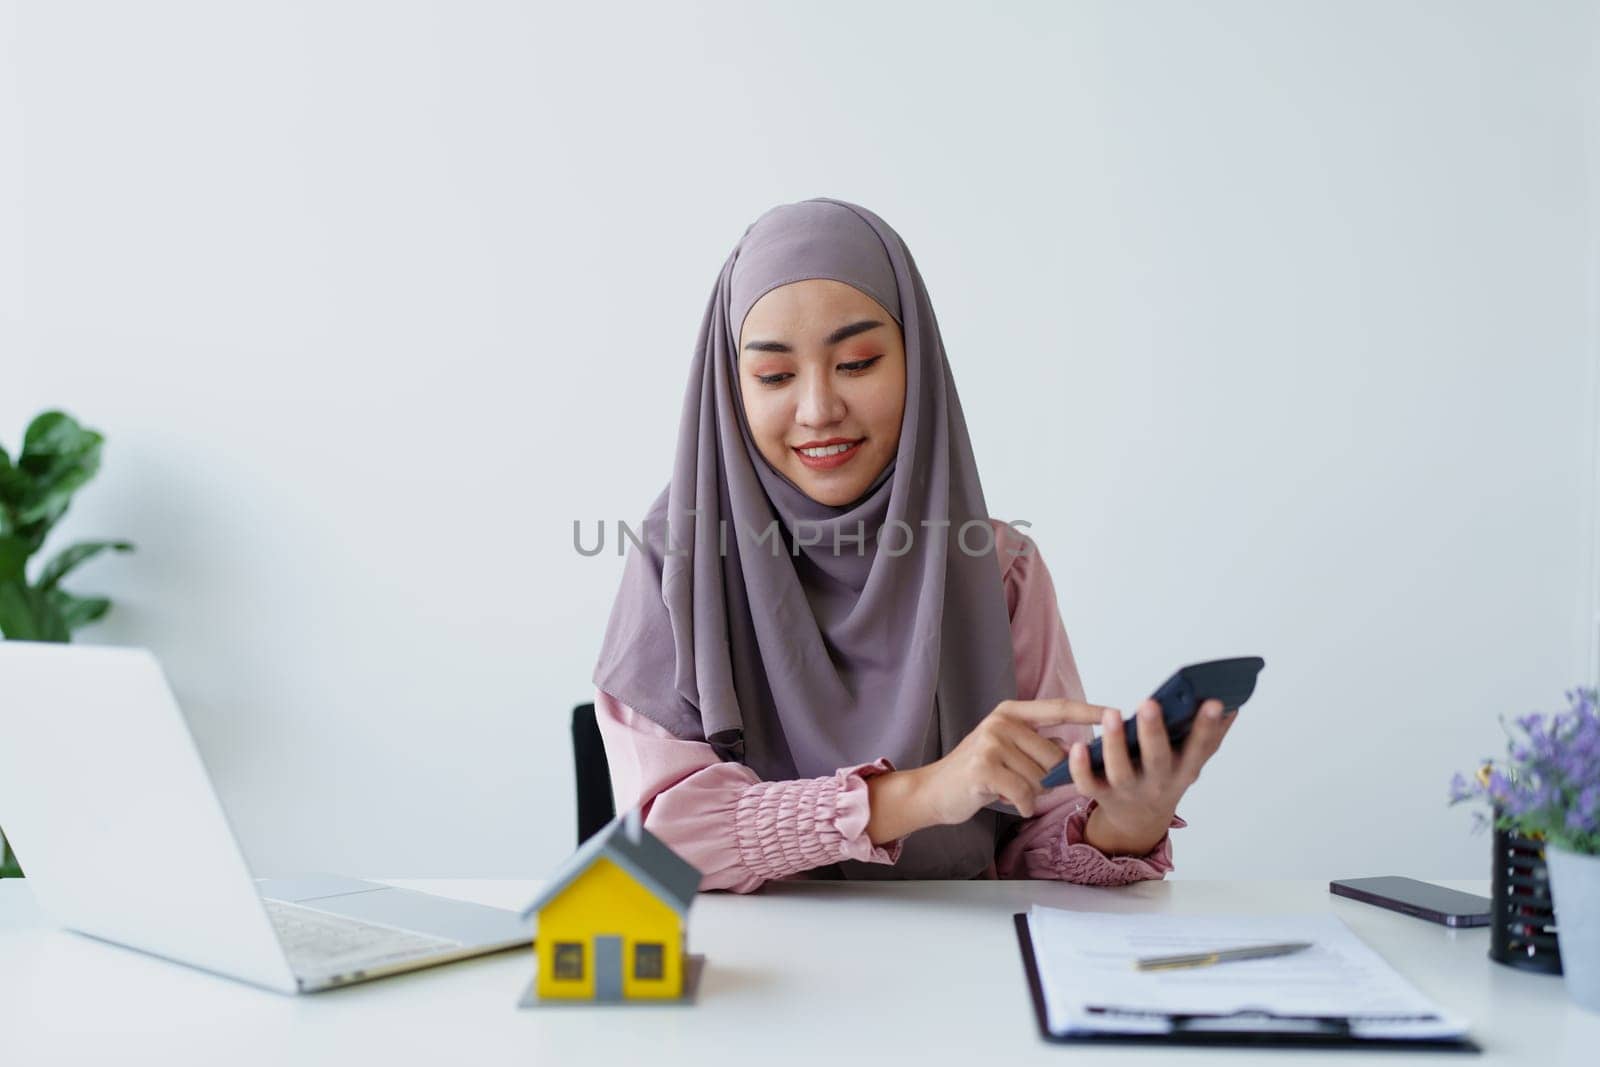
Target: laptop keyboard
[317, 941]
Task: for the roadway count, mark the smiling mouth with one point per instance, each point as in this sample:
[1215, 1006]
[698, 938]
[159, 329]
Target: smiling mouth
[830, 456]
[828, 449]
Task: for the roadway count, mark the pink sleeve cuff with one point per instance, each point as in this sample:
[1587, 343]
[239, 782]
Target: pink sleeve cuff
[783, 827]
[1076, 860]
[855, 810]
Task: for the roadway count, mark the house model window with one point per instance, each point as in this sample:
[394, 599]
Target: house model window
[647, 960]
[569, 960]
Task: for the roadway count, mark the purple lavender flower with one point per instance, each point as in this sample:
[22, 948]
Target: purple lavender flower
[1549, 784]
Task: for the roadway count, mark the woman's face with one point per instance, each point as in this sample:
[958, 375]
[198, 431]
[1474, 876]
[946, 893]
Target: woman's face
[823, 364]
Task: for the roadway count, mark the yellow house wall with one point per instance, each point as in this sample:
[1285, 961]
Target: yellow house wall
[606, 900]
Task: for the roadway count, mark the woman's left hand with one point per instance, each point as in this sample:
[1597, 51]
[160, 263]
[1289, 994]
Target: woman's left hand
[1135, 805]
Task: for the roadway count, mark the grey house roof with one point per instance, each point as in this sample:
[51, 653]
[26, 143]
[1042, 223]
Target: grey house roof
[640, 853]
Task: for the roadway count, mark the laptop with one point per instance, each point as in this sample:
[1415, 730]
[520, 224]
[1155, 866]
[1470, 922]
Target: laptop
[110, 811]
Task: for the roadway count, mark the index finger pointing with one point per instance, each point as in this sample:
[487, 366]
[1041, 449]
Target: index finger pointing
[1054, 710]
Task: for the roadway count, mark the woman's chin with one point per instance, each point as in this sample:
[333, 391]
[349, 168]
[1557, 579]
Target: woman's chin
[836, 488]
[833, 493]
[824, 490]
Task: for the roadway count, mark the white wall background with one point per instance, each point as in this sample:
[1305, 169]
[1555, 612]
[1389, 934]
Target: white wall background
[1277, 320]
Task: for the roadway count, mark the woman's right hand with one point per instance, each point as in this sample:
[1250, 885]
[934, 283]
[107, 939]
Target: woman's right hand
[1003, 758]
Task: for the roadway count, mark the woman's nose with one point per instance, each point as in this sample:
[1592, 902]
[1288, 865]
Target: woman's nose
[820, 402]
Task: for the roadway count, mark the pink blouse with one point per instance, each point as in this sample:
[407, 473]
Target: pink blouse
[741, 831]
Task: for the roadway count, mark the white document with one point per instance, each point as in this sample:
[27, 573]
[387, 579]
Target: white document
[1090, 984]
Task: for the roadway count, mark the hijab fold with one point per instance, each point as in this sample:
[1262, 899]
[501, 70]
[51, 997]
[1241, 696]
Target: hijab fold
[782, 652]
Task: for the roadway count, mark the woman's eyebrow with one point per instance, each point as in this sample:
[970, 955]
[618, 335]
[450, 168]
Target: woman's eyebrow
[841, 334]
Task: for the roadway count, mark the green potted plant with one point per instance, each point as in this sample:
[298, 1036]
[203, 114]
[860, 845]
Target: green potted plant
[58, 456]
[1548, 788]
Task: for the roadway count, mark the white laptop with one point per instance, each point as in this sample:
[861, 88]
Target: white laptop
[111, 814]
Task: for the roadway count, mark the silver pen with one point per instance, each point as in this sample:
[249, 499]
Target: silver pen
[1221, 955]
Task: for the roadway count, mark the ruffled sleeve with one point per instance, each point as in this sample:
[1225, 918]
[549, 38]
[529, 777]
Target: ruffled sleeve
[1050, 843]
[739, 830]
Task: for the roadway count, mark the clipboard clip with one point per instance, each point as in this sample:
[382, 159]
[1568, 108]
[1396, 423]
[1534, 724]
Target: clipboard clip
[1244, 1020]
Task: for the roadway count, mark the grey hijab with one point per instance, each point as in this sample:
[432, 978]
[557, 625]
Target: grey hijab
[798, 637]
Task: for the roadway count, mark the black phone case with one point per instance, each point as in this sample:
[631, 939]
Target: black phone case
[1355, 889]
[1180, 696]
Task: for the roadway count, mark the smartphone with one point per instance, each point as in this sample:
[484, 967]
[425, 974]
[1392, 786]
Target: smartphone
[1180, 696]
[1448, 907]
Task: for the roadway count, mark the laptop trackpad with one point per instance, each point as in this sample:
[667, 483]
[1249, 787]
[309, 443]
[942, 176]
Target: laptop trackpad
[301, 888]
[458, 920]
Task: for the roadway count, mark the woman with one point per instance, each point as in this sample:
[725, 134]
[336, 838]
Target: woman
[825, 659]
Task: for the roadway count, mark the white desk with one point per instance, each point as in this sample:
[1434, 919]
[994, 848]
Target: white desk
[811, 973]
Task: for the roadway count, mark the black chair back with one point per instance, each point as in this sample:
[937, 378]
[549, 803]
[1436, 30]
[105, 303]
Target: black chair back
[596, 807]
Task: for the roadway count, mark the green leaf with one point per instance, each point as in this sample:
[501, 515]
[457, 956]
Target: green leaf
[16, 612]
[14, 553]
[69, 558]
[9, 867]
[13, 483]
[58, 456]
[51, 433]
[66, 612]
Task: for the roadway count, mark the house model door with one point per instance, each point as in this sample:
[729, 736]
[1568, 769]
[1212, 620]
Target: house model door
[607, 967]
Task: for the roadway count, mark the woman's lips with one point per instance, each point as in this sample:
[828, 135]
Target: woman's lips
[828, 463]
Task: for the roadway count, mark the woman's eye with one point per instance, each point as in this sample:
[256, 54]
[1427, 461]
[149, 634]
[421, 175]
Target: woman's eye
[859, 365]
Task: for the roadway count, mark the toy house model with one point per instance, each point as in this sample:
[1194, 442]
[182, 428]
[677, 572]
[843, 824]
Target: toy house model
[612, 920]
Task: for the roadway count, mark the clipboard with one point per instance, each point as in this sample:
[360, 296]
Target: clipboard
[1324, 1032]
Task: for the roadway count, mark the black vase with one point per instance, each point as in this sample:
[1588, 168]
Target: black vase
[1522, 931]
